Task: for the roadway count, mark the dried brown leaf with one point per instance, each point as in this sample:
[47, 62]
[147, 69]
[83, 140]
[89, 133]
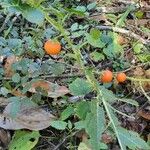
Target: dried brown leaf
[27, 118]
[52, 89]
[9, 123]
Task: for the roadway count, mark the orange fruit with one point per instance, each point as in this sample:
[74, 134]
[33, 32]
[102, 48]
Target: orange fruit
[52, 47]
[121, 77]
[107, 76]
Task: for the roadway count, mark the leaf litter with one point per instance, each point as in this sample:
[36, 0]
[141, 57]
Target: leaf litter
[52, 90]
[32, 118]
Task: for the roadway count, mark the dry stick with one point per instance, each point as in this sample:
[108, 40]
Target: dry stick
[139, 30]
[124, 31]
[112, 10]
[53, 76]
[132, 67]
[126, 2]
[63, 76]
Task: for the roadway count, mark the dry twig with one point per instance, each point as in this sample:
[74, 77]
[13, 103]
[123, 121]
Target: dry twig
[126, 32]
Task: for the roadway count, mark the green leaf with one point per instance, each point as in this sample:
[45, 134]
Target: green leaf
[80, 87]
[34, 15]
[115, 123]
[125, 138]
[24, 140]
[60, 125]
[91, 6]
[69, 124]
[124, 16]
[113, 49]
[81, 8]
[4, 91]
[95, 124]
[33, 3]
[129, 101]
[31, 13]
[75, 11]
[139, 14]
[138, 47]
[145, 30]
[144, 57]
[108, 95]
[16, 78]
[57, 68]
[83, 146]
[74, 26]
[79, 125]
[82, 108]
[94, 38]
[95, 33]
[14, 43]
[96, 56]
[132, 140]
[67, 113]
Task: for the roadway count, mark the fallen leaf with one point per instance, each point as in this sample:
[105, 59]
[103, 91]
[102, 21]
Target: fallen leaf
[24, 140]
[27, 118]
[8, 123]
[8, 65]
[53, 90]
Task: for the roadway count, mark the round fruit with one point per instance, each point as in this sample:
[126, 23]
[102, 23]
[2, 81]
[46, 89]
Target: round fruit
[121, 77]
[52, 47]
[107, 76]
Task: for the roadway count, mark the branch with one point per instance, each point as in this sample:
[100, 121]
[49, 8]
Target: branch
[124, 31]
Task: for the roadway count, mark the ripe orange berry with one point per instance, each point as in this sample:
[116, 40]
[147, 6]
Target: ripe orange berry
[52, 47]
[107, 76]
[121, 77]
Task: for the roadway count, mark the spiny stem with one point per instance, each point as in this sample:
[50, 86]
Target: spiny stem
[138, 79]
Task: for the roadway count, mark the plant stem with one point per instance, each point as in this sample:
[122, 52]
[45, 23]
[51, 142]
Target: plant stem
[138, 79]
